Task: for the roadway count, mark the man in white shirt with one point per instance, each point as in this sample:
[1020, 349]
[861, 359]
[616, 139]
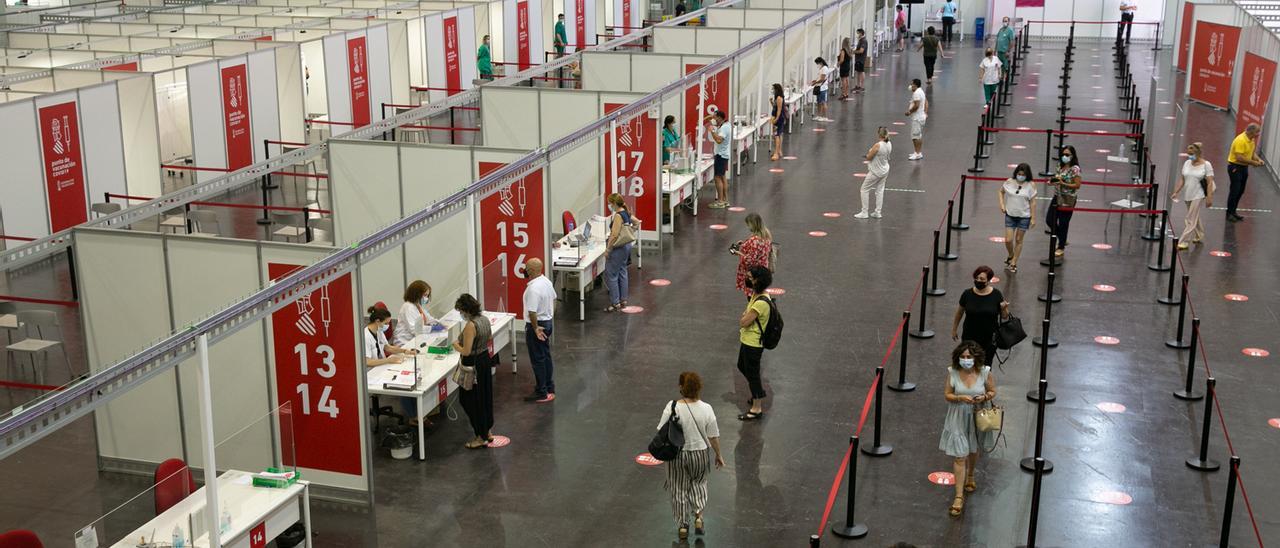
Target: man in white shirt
[823, 83]
[721, 132]
[1127, 10]
[539, 308]
[918, 111]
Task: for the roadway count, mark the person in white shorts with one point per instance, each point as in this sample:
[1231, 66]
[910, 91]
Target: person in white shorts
[918, 111]
[877, 173]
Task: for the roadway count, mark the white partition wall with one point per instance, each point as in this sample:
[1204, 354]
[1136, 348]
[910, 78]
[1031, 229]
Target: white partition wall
[357, 75]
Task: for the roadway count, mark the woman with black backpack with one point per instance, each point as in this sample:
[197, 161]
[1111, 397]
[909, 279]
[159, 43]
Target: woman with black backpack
[687, 472]
[751, 329]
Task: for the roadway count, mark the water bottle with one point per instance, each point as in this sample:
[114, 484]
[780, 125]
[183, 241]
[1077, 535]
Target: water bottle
[224, 523]
[178, 539]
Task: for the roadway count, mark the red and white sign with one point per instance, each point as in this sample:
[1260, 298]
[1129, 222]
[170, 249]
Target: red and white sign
[317, 368]
[522, 34]
[512, 231]
[131, 66]
[258, 536]
[645, 459]
[1255, 90]
[1184, 39]
[1029, 4]
[358, 73]
[63, 165]
[1213, 62]
[452, 64]
[579, 23]
[235, 116]
[626, 17]
[636, 165]
[716, 98]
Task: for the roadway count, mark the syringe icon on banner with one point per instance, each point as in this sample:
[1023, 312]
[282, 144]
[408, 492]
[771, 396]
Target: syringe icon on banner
[1253, 93]
[523, 197]
[305, 324]
[325, 313]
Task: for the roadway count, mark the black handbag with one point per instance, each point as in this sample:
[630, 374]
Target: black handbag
[1009, 332]
[669, 441]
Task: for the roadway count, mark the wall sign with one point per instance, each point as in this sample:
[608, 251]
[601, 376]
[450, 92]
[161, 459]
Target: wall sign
[512, 231]
[1184, 39]
[580, 24]
[63, 165]
[358, 73]
[131, 66]
[715, 98]
[626, 17]
[235, 116]
[452, 65]
[1258, 75]
[1213, 63]
[522, 34]
[636, 165]
[317, 371]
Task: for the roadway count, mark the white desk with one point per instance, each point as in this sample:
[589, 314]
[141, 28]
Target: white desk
[501, 324]
[936, 21]
[744, 138]
[794, 101]
[677, 187]
[591, 258]
[275, 508]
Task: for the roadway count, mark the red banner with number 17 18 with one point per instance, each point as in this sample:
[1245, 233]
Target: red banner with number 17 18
[636, 178]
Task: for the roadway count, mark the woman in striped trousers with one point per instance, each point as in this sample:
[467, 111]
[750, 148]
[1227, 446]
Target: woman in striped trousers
[687, 474]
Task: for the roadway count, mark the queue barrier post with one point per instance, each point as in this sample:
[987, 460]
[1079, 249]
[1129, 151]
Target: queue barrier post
[934, 290]
[265, 219]
[989, 120]
[1045, 340]
[186, 214]
[266, 177]
[1177, 343]
[1048, 153]
[306, 224]
[947, 255]
[959, 224]
[851, 528]
[902, 385]
[977, 154]
[815, 541]
[1029, 463]
[1169, 298]
[1159, 265]
[1053, 259]
[1201, 461]
[878, 449]
[1049, 296]
[923, 332]
[1187, 393]
[1153, 233]
[1035, 502]
[1232, 477]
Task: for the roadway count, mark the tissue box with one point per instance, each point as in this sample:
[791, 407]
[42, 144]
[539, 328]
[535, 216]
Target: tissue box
[269, 481]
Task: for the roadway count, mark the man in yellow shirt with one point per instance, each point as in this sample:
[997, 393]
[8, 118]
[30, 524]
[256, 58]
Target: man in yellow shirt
[1243, 154]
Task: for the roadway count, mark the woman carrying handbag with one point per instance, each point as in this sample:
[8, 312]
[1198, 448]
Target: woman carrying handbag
[688, 473]
[969, 382]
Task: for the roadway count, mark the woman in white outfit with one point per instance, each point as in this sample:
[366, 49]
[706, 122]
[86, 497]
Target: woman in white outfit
[877, 174]
[413, 319]
[1016, 196]
[1195, 186]
[687, 475]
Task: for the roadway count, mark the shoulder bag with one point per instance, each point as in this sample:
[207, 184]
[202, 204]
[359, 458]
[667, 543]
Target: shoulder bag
[988, 419]
[626, 235]
[669, 441]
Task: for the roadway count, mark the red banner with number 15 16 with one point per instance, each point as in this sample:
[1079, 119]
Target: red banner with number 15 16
[512, 231]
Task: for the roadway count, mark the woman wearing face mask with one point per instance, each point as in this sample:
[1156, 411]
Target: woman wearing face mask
[1195, 186]
[981, 307]
[989, 71]
[477, 384]
[616, 276]
[1016, 196]
[1065, 183]
[969, 382]
[670, 138]
[877, 174]
[377, 351]
[413, 319]
[755, 250]
[778, 119]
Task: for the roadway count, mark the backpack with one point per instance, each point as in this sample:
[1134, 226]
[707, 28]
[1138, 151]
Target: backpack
[772, 331]
[669, 441]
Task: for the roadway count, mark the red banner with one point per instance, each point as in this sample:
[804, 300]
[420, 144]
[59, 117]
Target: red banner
[131, 66]
[1257, 78]
[512, 231]
[63, 165]
[358, 72]
[626, 17]
[235, 116]
[1029, 4]
[263, 38]
[637, 166]
[1213, 62]
[317, 368]
[522, 34]
[580, 23]
[716, 98]
[1184, 39]
[452, 69]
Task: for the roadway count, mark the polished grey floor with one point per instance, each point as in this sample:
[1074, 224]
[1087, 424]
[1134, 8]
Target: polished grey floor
[569, 478]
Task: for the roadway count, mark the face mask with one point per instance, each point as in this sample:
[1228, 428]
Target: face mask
[1006, 23]
[911, 88]
[1066, 159]
[966, 363]
[425, 300]
[1191, 157]
[1022, 178]
[979, 284]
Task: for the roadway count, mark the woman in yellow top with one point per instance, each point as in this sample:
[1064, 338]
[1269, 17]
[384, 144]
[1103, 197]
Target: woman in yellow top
[750, 328]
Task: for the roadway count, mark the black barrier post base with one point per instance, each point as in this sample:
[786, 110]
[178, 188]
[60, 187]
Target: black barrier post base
[1028, 464]
[902, 385]
[851, 528]
[1043, 394]
[1202, 462]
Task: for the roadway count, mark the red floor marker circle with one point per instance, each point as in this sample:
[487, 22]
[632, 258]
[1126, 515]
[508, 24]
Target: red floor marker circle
[776, 170]
[776, 291]
[1022, 128]
[1099, 131]
[831, 215]
[1018, 147]
[899, 123]
[818, 130]
[1112, 497]
[1103, 247]
[788, 157]
[1031, 97]
[893, 133]
[499, 441]
[942, 478]
[1104, 339]
[1170, 118]
[1026, 112]
[1099, 115]
[1255, 352]
[1275, 423]
[1102, 170]
[660, 282]
[1102, 150]
[1110, 407]
[1096, 87]
[718, 227]
[1235, 297]
[1036, 73]
[1099, 100]
[645, 459]
[1220, 253]
[859, 174]
[1033, 85]
[997, 239]
[737, 209]
[1104, 288]
[1164, 102]
[1182, 155]
[817, 233]
[633, 309]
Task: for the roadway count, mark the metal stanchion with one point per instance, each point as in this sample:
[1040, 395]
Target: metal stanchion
[1035, 501]
[1053, 259]
[978, 155]
[934, 290]
[815, 541]
[1035, 395]
[1028, 463]
[922, 332]
[947, 255]
[959, 224]
[1202, 462]
[1170, 299]
[902, 384]
[878, 449]
[1230, 503]
[1159, 265]
[1049, 296]
[265, 219]
[1153, 232]
[851, 528]
[1182, 318]
[1048, 153]
[1187, 393]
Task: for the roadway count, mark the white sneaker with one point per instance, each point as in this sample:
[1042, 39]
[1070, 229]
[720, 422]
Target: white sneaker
[915, 156]
[876, 215]
[861, 215]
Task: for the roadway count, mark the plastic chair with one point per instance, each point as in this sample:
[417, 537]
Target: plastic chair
[567, 220]
[20, 538]
[324, 224]
[40, 320]
[173, 483]
[290, 225]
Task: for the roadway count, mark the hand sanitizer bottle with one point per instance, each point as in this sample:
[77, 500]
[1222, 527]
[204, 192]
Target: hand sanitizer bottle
[178, 540]
[224, 523]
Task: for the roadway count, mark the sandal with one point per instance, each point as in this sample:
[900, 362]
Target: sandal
[475, 444]
[1013, 269]
[957, 506]
[970, 485]
[613, 308]
[750, 416]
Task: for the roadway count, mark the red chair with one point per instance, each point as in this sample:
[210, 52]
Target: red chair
[20, 538]
[569, 224]
[171, 487]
